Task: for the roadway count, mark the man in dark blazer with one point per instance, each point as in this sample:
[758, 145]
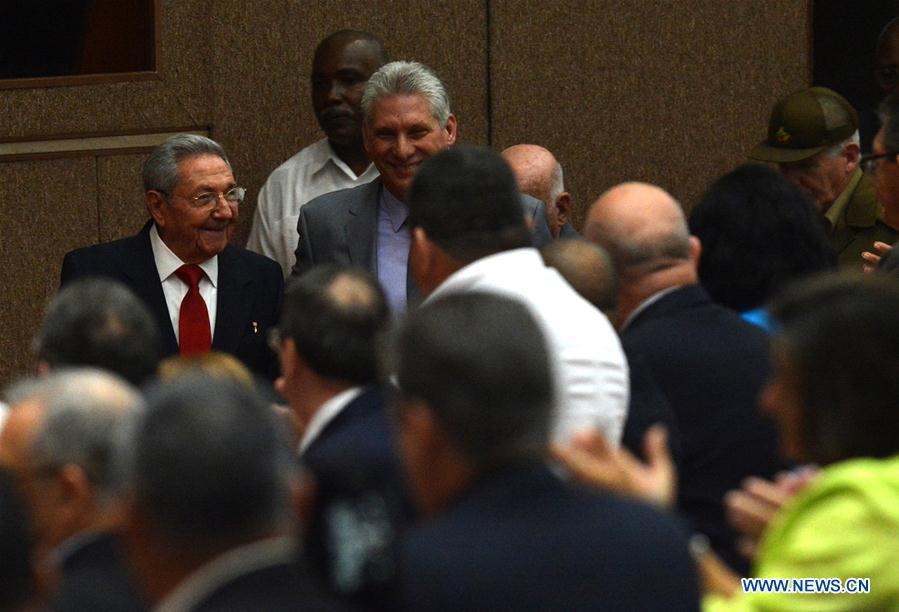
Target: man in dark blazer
[709, 363]
[407, 120]
[333, 323]
[503, 532]
[193, 201]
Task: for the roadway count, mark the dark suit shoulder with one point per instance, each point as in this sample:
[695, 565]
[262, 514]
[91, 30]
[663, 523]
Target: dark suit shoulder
[528, 541]
[104, 259]
[326, 205]
[259, 263]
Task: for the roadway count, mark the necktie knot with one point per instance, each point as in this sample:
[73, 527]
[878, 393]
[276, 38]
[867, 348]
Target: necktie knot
[190, 274]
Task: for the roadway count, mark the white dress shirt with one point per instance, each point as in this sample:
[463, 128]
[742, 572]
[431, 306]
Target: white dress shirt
[314, 171]
[325, 414]
[590, 369]
[175, 289]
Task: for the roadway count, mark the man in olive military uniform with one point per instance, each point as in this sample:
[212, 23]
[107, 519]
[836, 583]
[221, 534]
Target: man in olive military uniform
[813, 138]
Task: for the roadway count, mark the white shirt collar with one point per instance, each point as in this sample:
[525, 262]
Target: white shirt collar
[497, 264]
[167, 262]
[225, 568]
[655, 297]
[325, 414]
[322, 153]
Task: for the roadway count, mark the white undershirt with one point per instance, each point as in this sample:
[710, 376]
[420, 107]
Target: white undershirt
[175, 289]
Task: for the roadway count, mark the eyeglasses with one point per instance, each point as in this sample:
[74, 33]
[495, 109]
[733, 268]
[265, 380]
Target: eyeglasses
[209, 199]
[869, 163]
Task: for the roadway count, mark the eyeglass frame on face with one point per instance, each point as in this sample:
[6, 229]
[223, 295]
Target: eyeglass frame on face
[870, 162]
[238, 193]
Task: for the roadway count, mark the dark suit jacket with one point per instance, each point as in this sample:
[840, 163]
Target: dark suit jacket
[360, 487]
[342, 227]
[95, 577]
[710, 365]
[522, 539]
[278, 588]
[249, 294]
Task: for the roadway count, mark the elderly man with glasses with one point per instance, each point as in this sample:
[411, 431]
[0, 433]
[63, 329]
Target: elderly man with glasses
[882, 165]
[204, 293]
[813, 138]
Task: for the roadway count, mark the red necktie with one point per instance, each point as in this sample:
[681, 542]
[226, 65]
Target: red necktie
[193, 322]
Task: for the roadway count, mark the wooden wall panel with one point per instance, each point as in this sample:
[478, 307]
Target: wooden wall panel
[53, 206]
[672, 93]
[120, 196]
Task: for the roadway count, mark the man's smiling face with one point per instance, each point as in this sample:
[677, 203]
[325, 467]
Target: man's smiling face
[401, 135]
[196, 233]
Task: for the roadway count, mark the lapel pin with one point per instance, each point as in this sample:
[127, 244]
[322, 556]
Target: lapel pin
[255, 327]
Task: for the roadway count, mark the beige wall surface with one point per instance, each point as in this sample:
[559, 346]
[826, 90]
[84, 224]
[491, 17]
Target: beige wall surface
[669, 92]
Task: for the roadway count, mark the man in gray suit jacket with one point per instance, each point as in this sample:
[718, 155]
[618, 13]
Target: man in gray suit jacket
[407, 120]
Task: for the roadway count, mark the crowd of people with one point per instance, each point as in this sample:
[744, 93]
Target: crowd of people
[420, 388]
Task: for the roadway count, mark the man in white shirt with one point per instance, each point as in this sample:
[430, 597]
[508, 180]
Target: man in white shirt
[342, 64]
[468, 234]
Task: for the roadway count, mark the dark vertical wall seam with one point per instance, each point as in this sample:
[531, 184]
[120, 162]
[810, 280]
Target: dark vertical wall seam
[488, 98]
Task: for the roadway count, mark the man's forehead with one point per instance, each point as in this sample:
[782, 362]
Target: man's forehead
[203, 169]
[345, 54]
[411, 106]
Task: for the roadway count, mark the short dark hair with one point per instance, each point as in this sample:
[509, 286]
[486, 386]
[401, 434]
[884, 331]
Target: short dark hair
[338, 317]
[480, 362]
[208, 461]
[758, 233]
[467, 201]
[100, 322]
[17, 582]
[346, 36]
[840, 333]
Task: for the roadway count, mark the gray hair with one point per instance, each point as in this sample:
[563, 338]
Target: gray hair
[84, 412]
[650, 251]
[161, 168]
[837, 149]
[407, 78]
[208, 461]
[99, 322]
[556, 184]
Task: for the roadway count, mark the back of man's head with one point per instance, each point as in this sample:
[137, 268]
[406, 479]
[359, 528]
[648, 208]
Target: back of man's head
[480, 363]
[99, 322]
[337, 317]
[587, 268]
[467, 202]
[208, 464]
[84, 412]
[642, 227]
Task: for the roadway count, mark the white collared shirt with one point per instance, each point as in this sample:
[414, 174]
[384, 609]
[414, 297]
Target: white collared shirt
[325, 414]
[590, 369]
[314, 171]
[175, 289]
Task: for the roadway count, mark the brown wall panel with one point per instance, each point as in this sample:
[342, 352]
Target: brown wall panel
[120, 196]
[53, 204]
[669, 92]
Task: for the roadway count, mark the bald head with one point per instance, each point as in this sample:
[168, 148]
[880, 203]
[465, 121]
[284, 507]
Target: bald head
[587, 268]
[641, 226]
[539, 174]
[644, 231]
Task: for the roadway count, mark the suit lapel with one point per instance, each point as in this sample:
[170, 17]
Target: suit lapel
[232, 304]
[362, 228]
[143, 278]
